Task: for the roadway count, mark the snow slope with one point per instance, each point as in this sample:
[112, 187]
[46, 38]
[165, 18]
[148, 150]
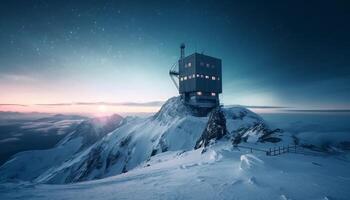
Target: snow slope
[222, 172]
[172, 128]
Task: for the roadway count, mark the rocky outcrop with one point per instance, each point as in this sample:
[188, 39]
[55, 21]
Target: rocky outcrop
[215, 129]
[259, 132]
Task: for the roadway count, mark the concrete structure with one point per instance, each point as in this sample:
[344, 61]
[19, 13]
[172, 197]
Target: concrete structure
[200, 80]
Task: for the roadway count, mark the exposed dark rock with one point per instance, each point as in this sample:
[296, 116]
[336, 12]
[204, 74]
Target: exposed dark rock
[112, 159]
[240, 115]
[125, 141]
[273, 139]
[124, 169]
[260, 129]
[161, 147]
[270, 135]
[238, 135]
[215, 129]
[295, 140]
[154, 152]
[312, 147]
[93, 161]
[328, 147]
[345, 145]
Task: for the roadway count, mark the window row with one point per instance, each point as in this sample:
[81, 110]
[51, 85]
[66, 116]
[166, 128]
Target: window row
[201, 64]
[199, 93]
[184, 78]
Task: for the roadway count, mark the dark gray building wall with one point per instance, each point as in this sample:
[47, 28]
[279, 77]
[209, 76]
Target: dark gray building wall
[202, 65]
[184, 70]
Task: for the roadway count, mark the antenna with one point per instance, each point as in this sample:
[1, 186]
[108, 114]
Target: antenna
[182, 51]
[172, 72]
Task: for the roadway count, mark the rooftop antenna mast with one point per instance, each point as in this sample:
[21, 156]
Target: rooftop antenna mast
[182, 51]
[172, 72]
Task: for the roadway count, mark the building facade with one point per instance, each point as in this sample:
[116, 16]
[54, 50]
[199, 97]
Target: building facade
[200, 79]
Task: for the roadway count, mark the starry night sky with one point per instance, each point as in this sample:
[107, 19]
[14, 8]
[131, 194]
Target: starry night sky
[275, 53]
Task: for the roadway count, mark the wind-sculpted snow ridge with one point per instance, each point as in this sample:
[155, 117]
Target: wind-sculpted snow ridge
[28, 165]
[174, 128]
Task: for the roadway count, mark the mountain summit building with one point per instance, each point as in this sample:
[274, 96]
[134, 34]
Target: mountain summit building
[200, 79]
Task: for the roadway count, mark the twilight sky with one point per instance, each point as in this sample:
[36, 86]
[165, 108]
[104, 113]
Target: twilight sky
[274, 53]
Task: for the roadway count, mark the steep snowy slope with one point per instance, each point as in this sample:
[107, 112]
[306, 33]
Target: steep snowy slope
[88, 153]
[173, 128]
[28, 165]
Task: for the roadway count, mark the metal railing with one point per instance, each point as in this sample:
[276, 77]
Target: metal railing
[281, 150]
[272, 151]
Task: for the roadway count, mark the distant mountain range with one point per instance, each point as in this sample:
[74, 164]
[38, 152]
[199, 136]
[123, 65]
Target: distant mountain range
[35, 131]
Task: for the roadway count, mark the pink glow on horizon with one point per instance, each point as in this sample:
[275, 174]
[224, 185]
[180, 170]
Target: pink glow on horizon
[95, 110]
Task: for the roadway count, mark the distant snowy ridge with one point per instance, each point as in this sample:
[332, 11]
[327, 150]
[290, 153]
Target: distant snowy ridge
[28, 165]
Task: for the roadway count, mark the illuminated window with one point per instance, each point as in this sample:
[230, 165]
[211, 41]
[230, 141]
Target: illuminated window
[208, 65]
[213, 78]
[199, 93]
[181, 79]
[189, 77]
[185, 78]
[193, 76]
[207, 77]
[202, 76]
[219, 78]
[213, 94]
[189, 64]
[197, 75]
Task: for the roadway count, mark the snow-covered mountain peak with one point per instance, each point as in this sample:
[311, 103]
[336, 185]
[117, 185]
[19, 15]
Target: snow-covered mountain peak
[133, 141]
[171, 109]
